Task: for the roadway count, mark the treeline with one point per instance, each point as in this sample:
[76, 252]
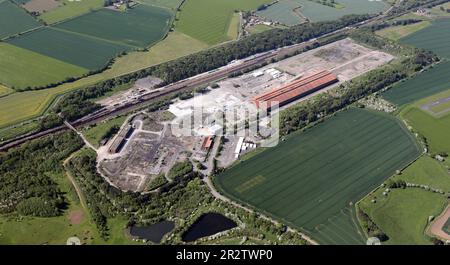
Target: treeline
[301, 115]
[402, 22]
[25, 183]
[219, 56]
[180, 169]
[370, 227]
[411, 4]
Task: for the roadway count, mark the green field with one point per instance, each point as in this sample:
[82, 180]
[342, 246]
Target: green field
[172, 4]
[435, 130]
[434, 80]
[436, 11]
[5, 90]
[139, 26]
[435, 38]
[27, 105]
[234, 27]
[95, 134]
[14, 20]
[209, 20]
[40, 70]
[70, 9]
[398, 32]
[403, 214]
[83, 51]
[310, 180]
[284, 10]
[259, 28]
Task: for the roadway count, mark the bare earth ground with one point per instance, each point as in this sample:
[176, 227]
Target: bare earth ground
[75, 217]
[438, 224]
[40, 5]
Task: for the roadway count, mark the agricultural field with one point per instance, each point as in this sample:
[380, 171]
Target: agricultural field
[285, 12]
[5, 91]
[35, 103]
[41, 70]
[437, 79]
[437, 11]
[435, 129]
[294, 11]
[432, 81]
[435, 38]
[209, 20]
[139, 26]
[14, 20]
[172, 4]
[69, 9]
[312, 179]
[86, 52]
[403, 213]
[398, 32]
[235, 25]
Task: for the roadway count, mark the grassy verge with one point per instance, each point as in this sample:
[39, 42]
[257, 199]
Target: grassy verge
[96, 133]
[398, 32]
[403, 214]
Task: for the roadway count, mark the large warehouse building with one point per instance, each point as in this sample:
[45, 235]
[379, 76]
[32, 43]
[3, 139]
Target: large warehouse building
[295, 90]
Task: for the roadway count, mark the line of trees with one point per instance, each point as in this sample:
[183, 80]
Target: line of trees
[370, 227]
[411, 4]
[402, 22]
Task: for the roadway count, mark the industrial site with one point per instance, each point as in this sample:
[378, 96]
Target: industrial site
[150, 143]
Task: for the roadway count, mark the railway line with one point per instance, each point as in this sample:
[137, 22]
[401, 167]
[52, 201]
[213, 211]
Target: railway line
[184, 85]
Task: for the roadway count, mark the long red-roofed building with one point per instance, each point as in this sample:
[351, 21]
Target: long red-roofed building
[295, 90]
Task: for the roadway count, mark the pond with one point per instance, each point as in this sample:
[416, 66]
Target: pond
[206, 225]
[153, 233]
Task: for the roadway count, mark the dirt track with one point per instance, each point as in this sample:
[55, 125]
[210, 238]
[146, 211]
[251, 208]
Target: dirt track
[75, 184]
[437, 225]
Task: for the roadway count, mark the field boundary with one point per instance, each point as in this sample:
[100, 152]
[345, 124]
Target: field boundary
[94, 37]
[403, 125]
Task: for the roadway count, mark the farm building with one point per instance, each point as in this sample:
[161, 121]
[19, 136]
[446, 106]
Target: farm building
[295, 90]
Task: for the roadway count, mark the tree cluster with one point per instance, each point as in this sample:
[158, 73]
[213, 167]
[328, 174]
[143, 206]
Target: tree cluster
[370, 227]
[26, 175]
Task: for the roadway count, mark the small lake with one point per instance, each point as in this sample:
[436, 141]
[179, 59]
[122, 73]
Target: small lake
[207, 225]
[153, 233]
